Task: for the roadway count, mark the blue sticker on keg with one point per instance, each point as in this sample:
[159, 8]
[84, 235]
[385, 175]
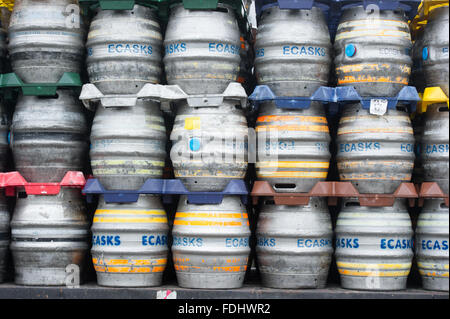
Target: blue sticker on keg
[350, 50]
[194, 144]
[425, 53]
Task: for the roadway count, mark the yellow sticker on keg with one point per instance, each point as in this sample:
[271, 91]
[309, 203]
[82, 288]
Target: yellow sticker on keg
[192, 123]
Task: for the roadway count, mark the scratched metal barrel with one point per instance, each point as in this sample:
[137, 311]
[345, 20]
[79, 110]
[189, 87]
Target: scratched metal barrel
[435, 49]
[202, 49]
[294, 245]
[293, 147]
[432, 245]
[293, 51]
[375, 153]
[209, 146]
[46, 39]
[49, 136]
[129, 243]
[374, 246]
[4, 237]
[373, 51]
[211, 244]
[49, 239]
[435, 146]
[4, 128]
[128, 145]
[124, 50]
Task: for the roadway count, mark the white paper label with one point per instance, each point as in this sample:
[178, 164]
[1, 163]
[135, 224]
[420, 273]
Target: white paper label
[378, 107]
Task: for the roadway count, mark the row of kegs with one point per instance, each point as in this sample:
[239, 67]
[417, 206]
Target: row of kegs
[211, 243]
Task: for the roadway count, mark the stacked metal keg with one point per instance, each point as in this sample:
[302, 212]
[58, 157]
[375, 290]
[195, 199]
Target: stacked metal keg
[432, 232]
[209, 147]
[48, 139]
[375, 152]
[128, 147]
[293, 56]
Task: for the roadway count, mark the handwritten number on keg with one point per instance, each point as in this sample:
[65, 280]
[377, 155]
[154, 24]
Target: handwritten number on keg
[378, 106]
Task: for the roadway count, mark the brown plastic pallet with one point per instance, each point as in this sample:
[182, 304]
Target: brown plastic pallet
[334, 190]
[431, 190]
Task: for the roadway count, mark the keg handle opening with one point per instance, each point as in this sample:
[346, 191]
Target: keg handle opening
[350, 204]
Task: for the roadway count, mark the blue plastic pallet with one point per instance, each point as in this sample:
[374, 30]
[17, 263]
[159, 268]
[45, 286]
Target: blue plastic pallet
[334, 97]
[409, 6]
[261, 5]
[263, 93]
[166, 188]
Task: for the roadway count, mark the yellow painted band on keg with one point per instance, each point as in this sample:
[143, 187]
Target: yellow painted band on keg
[373, 266]
[372, 33]
[433, 274]
[292, 164]
[281, 118]
[210, 215]
[127, 262]
[192, 123]
[374, 177]
[374, 66]
[302, 128]
[373, 273]
[433, 223]
[129, 212]
[205, 223]
[131, 162]
[115, 269]
[129, 220]
[432, 266]
[288, 174]
[407, 130]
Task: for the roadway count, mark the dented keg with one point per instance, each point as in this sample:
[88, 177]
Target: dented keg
[375, 153]
[211, 244]
[374, 246]
[373, 51]
[294, 245]
[292, 51]
[293, 147]
[129, 243]
[435, 49]
[128, 145]
[432, 245]
[46, 39]
[124, 50]
[435, 147]
[209, 146]
[48, 136]
[202, 49]
[4, 128]
[49, 239]
[4, 237]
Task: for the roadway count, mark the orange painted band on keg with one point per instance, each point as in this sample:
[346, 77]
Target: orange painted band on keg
[281, 118]
[370, 163]
[433, 274]
[127, 262]
[213, 268]
[211, 215]
[303, 128]
[204, 223]
[291, 174]
[292, 164]
[373, 80]
[407, 130]
[115, 269]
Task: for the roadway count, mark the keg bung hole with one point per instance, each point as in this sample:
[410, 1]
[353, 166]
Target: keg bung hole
[443, 109]
[56, 96]
[22, 195]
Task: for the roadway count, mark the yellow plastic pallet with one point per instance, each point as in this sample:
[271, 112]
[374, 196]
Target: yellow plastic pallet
[423, 11]
[7, 3]
[430, 96]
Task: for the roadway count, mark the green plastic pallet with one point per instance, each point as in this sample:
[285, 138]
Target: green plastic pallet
[12, 81]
